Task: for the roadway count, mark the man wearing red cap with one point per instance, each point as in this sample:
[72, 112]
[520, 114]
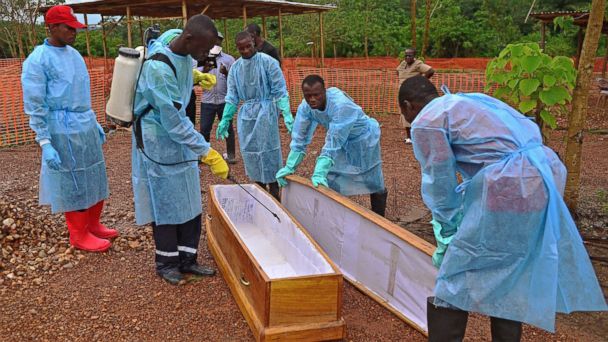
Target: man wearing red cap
[56, 96]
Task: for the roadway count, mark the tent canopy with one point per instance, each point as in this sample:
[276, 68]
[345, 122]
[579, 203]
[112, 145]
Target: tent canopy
[216, 9]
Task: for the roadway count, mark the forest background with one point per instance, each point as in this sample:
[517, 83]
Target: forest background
[357, 28]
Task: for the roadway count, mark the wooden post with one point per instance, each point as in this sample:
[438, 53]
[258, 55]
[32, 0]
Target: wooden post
[226, 40]
[141, 32]
[579, 46]
[244, 17]
[184, 12]
[605, 59]
[576, 120]
[281, 43]
[86, 23]
[264, 30]
[129, 37]
[322, 39]
[543, 27]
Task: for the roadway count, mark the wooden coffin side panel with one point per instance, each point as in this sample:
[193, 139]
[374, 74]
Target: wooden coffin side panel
[305, 300]
[385, 261]
[330, 331]
[246, 280]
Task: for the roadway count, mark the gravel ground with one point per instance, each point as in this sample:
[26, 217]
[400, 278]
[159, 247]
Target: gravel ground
[49, 291]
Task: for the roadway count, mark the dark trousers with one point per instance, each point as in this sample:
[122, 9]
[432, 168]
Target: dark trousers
[208, 113]
[176, 243]
[191, 108]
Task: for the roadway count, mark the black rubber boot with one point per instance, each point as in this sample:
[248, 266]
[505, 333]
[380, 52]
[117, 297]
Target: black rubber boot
[189, 265]
[504, 330]
[169, 273]
[197, 269]
[445, 325]
[378, 201]
[273, 189]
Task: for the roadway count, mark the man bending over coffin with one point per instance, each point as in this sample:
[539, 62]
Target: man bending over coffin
[514, 251]
[350, 162]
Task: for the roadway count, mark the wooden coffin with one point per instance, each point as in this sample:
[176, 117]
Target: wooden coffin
[385, 261]
[285, 285]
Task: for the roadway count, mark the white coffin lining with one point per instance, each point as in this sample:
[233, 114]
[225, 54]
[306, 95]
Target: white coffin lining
[281, 249]
[365, 252]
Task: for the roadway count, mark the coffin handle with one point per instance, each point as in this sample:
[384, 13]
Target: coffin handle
[209, 217]
[244, 281]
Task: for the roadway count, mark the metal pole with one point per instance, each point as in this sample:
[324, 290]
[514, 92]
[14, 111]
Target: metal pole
[184, 12]
[129, 38]
[322, 34]
[281, 43]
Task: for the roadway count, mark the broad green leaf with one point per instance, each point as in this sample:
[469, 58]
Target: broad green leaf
[549, 81]
[513, 84]
[517, 50]
[526, 106]
[528, 86]
[563, 63]
[531, 63]
[502, 92]
[554, 95]
[548, 118]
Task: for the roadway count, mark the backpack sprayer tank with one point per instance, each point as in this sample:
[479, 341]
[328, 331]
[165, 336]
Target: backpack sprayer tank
[122, 94]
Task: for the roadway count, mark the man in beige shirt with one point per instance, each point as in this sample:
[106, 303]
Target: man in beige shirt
[411, 67]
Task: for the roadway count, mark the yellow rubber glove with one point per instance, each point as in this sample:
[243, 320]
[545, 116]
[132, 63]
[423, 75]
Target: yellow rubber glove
[206, 81]
[216, 163]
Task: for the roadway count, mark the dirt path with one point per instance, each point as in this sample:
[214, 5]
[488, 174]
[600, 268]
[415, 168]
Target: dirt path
[117, 296]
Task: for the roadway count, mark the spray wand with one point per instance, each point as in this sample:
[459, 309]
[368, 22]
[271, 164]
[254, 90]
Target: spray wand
[230, 178]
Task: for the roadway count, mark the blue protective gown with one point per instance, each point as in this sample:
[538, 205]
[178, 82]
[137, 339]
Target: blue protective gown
[352, 142]
[56, 96]
[259, 83]
[516, 253]
[166, 194]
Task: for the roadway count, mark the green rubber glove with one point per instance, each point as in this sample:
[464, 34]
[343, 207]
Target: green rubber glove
[442, 243]
[283, 105]
[293, 160]
[222, 128]
[319, 177]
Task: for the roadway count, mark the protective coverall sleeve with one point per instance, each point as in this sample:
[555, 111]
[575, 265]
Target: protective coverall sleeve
[232, 95]
[303, 130]
[163, 95]
[339, 129]
[34, 83]
[439, 182]
[278, 86]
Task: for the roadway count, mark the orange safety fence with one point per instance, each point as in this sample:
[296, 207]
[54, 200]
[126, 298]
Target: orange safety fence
[392, 63]
[375, 89]
[14, 123]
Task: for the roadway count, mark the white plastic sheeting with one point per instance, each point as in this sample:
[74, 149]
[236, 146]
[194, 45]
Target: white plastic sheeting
[281, 249]
[366, 253]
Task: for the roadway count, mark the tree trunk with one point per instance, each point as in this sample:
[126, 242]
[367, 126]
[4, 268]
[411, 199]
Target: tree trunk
[413, 24]
[427, 28]
[579, 102]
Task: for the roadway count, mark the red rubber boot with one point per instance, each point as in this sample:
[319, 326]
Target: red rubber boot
[95, 227]
[80, 237]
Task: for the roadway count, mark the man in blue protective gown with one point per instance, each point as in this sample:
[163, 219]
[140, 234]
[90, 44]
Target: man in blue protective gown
[166, 147]
[507, 246]
[56, 96]
[350, 161]
[257, 80]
